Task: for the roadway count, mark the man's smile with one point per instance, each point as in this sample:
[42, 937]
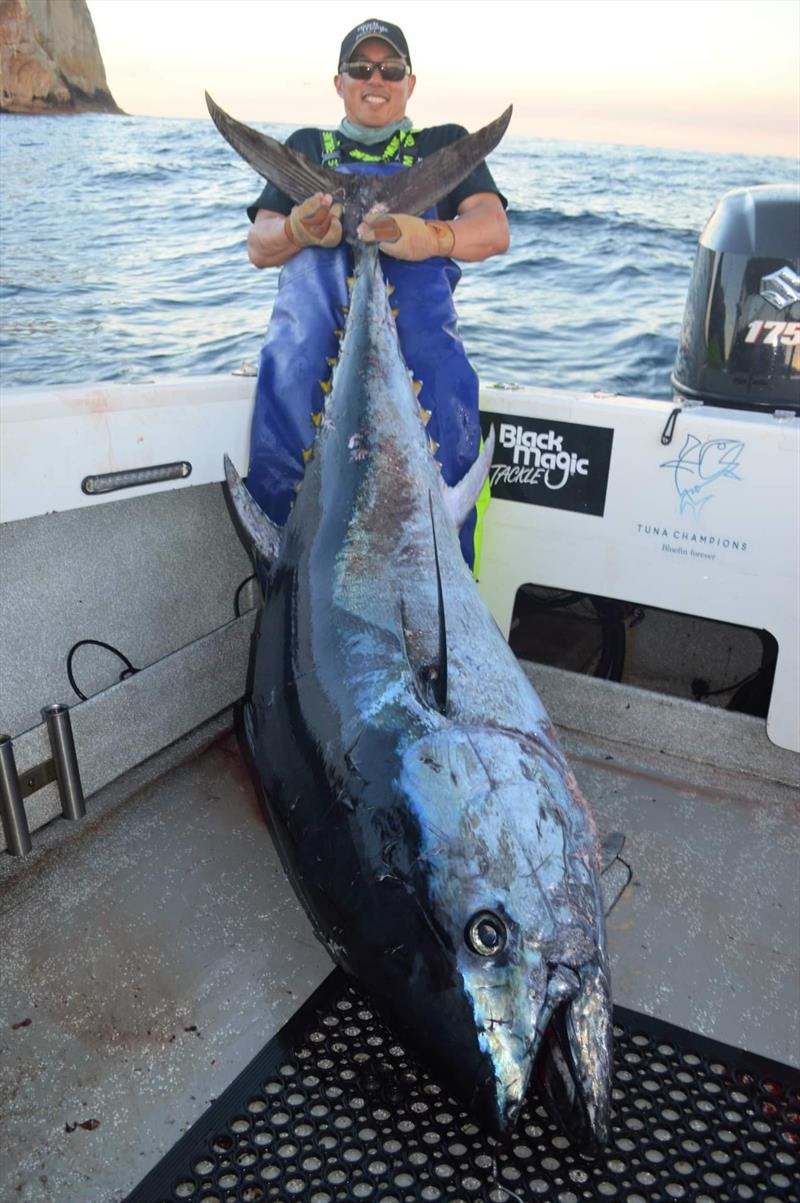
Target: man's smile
[363, 98]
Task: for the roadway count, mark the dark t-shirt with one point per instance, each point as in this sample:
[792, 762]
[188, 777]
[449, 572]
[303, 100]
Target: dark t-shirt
[309, 143]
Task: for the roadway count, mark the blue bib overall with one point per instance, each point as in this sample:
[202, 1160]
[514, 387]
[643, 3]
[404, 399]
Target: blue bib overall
[302, 344]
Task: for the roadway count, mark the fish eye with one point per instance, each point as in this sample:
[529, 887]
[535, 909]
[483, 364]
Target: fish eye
[486, 934]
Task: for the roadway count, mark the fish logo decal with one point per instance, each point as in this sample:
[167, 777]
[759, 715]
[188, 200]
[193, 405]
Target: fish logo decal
[699, 468]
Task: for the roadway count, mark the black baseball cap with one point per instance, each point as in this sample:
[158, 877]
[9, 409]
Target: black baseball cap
[392, 34]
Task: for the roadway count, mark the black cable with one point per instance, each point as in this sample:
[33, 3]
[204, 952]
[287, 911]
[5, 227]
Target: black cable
[628, 878]
[751, 694]
[238, 594]
[611, 613]
[126, 672]
[551, 603]
[701, 694]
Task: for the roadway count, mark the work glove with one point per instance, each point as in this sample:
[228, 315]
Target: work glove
[406, 237]
[315, 222]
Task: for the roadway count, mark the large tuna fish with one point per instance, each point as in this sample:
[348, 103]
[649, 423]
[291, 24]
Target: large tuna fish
[421, 804]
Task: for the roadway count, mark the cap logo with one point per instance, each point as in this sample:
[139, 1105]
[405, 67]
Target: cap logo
[371, 27]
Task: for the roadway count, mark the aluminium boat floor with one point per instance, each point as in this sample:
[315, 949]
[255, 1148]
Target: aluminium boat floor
[150, 951]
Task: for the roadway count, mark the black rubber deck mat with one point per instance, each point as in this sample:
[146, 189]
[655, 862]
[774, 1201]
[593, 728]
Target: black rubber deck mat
[332, 1110]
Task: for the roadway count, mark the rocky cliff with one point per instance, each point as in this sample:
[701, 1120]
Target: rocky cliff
[50, 60]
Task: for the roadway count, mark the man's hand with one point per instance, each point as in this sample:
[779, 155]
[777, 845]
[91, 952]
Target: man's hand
[406, 237]
[316, 221]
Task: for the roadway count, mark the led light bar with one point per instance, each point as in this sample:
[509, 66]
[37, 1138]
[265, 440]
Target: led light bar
[109, 482]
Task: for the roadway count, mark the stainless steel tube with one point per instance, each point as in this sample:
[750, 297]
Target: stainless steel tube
[59, 728]
[12, 807]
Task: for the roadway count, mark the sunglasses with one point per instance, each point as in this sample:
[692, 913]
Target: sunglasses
[392, 70]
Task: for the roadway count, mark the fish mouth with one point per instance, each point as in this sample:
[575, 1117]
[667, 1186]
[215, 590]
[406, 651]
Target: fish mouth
[566, 1059]
[573, 1067]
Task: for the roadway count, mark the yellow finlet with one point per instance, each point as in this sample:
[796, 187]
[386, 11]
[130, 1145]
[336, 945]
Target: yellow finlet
[434, 446]
[425, 415]
[317, 419]
[325, 385]
[307, 454]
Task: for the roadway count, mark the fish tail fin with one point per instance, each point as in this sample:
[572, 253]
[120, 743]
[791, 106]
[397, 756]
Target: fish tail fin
[411, 191]
[415, 190]
[287, 169]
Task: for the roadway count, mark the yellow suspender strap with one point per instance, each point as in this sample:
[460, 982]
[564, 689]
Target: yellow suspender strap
[330, 147]
[406, 142]
[481, 506]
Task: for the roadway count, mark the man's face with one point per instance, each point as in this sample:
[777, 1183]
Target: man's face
[374, 101]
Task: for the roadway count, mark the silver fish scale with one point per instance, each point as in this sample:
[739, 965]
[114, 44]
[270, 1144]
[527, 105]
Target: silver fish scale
[388, 551]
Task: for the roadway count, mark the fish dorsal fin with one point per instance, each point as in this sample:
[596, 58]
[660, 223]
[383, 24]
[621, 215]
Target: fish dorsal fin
[459, 501]
[287, 169]
[262, 534]
[415, 190]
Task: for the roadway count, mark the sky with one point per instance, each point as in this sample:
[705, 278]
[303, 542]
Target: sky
[712, 75]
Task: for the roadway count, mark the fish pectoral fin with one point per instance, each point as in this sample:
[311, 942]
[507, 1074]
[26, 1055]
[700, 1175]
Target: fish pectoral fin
[460, 499]
[263, 536]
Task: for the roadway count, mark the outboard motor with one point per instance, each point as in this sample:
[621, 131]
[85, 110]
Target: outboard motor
[740, 341]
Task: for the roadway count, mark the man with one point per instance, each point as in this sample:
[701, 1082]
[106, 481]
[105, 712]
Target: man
[375, 83]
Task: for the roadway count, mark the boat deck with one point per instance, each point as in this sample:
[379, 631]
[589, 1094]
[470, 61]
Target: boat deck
[152, 949]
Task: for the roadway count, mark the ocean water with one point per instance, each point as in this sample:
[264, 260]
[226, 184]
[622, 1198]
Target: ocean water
[124, 255]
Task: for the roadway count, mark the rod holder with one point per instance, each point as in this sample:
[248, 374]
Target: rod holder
[12, 808]
[62, 745]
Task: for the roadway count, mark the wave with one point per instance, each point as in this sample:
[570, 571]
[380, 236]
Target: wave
[590, 221]
[124, 257]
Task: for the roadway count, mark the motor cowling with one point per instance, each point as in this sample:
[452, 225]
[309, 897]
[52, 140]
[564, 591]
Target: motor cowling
[740, 340]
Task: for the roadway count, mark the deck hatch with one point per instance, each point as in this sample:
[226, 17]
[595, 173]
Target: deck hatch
[334, 1110]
